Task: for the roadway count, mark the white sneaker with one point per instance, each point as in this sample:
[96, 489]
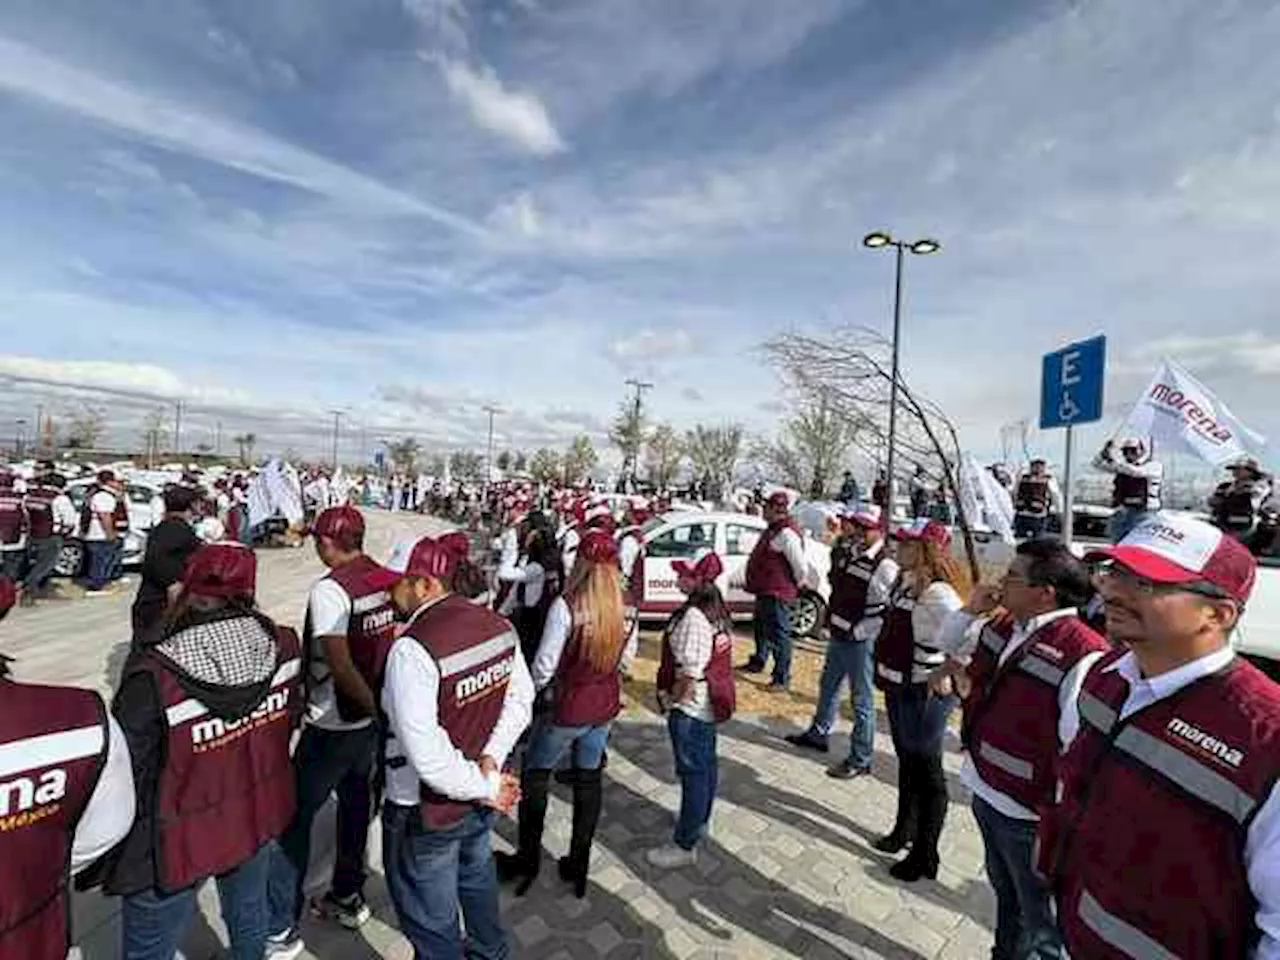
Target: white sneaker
[671, 857]
[285, 945]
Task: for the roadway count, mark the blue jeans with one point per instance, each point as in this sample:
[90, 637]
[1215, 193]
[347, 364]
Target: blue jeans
[548, 743]
[772, 628]
[693, 742]
[849, 658]
[100, 563]
[1026, 526]
[434, 875]
[325, 761]
[1124, 520]
[153, 923]
[1025, 925]
[917, 719]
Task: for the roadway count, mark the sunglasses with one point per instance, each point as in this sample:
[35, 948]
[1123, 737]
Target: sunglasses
[1108, 571]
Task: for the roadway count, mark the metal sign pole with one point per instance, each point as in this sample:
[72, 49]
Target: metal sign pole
[1068, 495]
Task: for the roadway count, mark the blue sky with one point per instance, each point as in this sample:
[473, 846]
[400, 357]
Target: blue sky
[411, 208]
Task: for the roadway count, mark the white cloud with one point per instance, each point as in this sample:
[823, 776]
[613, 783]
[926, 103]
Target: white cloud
[649, 345]
[515, 115]
[1250, 353]
[132, 378]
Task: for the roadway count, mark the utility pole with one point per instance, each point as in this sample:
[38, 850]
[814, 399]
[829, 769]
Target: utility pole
[217, 439]
[177, 431]
[37, 439]
[337, 416]
[488, 464]
[18, 437]
[633, 455]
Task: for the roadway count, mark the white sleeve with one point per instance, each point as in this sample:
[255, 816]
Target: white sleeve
[791, 545]
[1262, 866]
[555, 634]
[66, 516]
[409, 699]
[517, 711]
[109, 813]
[1069, 695]
[1055, 496]
[879, 592]
[959, 635]
[937, 602]
[329, 609]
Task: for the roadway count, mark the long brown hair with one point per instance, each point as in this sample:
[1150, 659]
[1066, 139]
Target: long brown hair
[594, 595]
[936, 563]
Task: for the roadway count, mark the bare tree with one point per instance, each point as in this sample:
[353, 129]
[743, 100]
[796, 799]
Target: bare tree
[544, 466]
[713, 453]
[435, 465]
[504, 461]
[154, 432]
[521, 462]
[246, 442]
[813, 445]
[404, 453]
[466, 465]
[664, 452]
[579, 459]
[850, 367]
[627, 433]
[85, 427]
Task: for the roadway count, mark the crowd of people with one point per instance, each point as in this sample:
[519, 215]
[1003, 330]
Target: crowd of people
[1123, 763]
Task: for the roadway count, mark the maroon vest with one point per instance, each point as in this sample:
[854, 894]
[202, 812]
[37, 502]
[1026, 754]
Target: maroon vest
[227, 786]
[850, 577]
[40, 511]
[584, 695]
[1146, 846]
[768, 572]
[1011, 715]
[1032, 497]
[1233, 508]
[474, 649]
[370, 631]
[896, 645]
[1130, 491]
[722, 692]
[12, 517]
[53, 745]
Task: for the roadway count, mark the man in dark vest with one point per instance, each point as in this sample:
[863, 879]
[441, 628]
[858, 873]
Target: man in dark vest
[53, 518]
[1166, 836]
[1026, 659]
[1136, 491]
[66, 798]
[208, 707]
[775, 571]
[862, 577]
[1235, 504]
[457, 696]
[1034, 498]
[14, 527]
[347, 634]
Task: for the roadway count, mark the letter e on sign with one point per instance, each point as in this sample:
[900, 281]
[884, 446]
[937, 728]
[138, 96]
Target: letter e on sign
[1070, 368]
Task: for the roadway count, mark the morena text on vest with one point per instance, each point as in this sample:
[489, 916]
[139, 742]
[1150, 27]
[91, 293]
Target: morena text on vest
[24, 794]
[215, 733]
[1207, 742]
[483, 681]
[377, 620]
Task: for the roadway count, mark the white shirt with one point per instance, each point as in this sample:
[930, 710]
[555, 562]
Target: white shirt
[1262, 843]
[1152, 470]
[628, 551]
[66, 518]
[791, 545]
[569, 549]
[329, 610]
[962, 631]
[529, 575]
[410, 699]
[102, 502]
[932, 610]
[108, 816]
[555, 635]
[879, 589]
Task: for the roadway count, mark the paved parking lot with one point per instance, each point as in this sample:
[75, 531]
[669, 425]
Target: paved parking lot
[788, 871]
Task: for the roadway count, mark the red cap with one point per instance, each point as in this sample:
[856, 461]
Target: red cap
[597, 546]
[925, 531]
[867, 516]
[456, 544]
[106, 476]
[779, 499]
[221, 570]
[1179, 550]
[708, 567]
[338, 523]
[602, 522]
[8, 594]
[426, 557]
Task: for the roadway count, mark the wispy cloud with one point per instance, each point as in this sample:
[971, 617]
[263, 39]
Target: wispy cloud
[515, 115]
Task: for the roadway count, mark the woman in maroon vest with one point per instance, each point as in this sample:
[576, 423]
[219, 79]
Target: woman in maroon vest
[696, 691]
[583, 649]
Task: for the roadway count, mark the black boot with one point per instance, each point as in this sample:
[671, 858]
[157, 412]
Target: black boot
[521, 867]
[588, 798]
[906, 824]
[922, 861]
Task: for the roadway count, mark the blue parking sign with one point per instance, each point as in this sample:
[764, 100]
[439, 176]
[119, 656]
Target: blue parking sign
[1071, 384]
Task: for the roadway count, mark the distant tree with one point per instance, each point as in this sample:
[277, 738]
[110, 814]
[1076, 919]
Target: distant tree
[713, 453]
[404, 454]
[579, 459]
[154, 432]
[503, 460]
[246, 442]
[521, 463]
[664, 452]
[466, 465]
[545, 466]
[204, 449]
[627, 434]
[85, 427]
[435, 464]
[813, 445]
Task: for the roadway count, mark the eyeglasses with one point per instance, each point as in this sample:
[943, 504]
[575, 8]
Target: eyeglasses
[1108, 571]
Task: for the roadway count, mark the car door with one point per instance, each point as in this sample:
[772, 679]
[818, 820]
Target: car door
[739, 540]
[678, 540]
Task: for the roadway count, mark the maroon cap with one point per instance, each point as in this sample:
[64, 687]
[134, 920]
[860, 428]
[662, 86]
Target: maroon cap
[779, 499]
[456, 544]
[597, 546]
[8, 595]
[426, 557]
[338, 523]
[221, 570]
[925, 531]
[1174, 549]
[106, 476]
[708, 567]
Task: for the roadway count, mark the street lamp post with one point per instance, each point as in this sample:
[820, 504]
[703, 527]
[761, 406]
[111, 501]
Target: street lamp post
[488, 465]
[337, 417]
[875, 241]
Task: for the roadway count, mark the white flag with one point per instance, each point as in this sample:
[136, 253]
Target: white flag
[1179, 411]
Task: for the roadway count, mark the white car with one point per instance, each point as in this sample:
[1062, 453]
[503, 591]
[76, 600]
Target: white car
[145, 505]
[1258, 634]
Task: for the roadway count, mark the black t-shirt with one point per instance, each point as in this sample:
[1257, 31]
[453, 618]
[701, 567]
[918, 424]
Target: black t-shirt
[169, 544]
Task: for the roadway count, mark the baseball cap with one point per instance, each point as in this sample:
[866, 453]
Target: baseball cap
[425, 557]
[867, 515]
[1173, 549]
[779, 499]
[338, 523]
[708, 567]
[221, 570]
[924, 531]
[597, 546]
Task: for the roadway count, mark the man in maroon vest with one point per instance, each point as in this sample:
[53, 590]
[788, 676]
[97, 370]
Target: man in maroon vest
[1166, 838]
[346, 637]
[14, 527]
[209, 707]
[775, 571]
[457, 696]
[1034, 498]
[53, 518]
[1026, 660]
[66, 798]
[862, 577]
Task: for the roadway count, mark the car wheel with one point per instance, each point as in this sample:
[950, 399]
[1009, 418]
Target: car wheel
[70, 559]
[806, 615]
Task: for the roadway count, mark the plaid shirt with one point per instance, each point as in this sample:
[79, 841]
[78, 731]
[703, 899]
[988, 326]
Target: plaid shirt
[692, 642]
